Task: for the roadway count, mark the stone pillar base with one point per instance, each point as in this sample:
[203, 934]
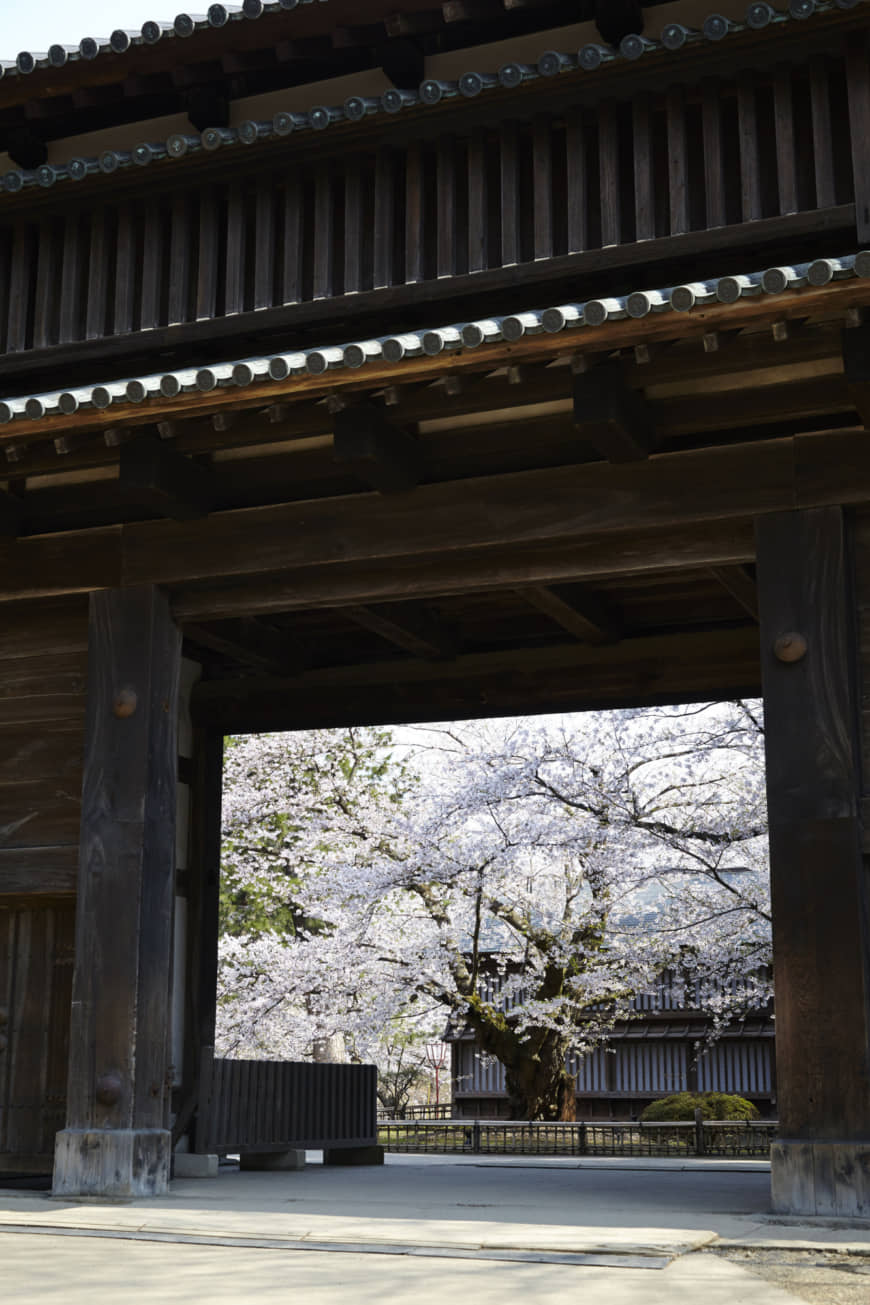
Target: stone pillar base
[271, 1161]
[112, 1162]
[820, 1178]
[187, 1164]
[354, 1155]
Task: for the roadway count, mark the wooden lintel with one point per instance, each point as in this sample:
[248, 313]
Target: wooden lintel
[158, 476]
[376, 450]
[251, 642]
[567, 677]
[740, 584]
[586, 621]
[419, 633]
[611, 415]
[478, 571]
[522, 509]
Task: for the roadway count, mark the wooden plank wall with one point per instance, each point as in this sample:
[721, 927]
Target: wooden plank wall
[688, 158]
[42, 681]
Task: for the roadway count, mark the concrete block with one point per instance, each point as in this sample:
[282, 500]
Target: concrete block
[112, 1162]
[354, 1155]
[273, 1160]
[186, 1164]
[820, 1178]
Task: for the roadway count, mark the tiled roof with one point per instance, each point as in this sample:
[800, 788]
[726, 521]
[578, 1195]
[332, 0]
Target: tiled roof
[557, 319]
[180, 145]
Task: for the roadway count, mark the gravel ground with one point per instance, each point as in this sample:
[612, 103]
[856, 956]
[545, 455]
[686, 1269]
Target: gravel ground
[821, 1277]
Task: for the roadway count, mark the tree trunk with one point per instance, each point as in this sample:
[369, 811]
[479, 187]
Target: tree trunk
[330, 1050]
[538, 1085]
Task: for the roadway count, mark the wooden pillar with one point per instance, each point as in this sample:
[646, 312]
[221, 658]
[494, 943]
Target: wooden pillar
[117, 1142]
[821, 1164]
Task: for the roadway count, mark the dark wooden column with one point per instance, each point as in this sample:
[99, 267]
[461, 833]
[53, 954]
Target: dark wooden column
[821, 1164]
[117, 1142]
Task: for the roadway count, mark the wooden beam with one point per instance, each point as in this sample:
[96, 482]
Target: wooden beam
[566, 677]
[586, 621]
[379, 452]
[251, 642]
[418, 632]
[740, 584]
[473, 571]
[39, 871]
[612, 416]
[157, 476]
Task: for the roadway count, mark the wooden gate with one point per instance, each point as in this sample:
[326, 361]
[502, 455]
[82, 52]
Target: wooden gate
[36, 959]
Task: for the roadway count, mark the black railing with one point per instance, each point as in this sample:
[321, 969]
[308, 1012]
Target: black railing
[678, 1140]
[249, 1106]
[444, 1111]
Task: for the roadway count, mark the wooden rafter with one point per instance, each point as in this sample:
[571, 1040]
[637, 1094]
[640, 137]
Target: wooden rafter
[251, 642]
[586, 620]
[418, 632]
[740, 584]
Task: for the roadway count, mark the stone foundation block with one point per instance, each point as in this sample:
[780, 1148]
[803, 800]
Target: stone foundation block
[270, 1161]
[187, 1164]
[112, 1162]
[354, 1155]
[820, 1178]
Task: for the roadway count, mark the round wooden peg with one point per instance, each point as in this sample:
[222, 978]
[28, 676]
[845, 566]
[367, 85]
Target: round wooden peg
[790, 647]
[125, 703]
[109, 1089]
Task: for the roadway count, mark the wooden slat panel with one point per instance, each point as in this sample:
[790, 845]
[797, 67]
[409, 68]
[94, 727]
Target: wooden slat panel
[5, 261]
[478, 217]
[384, 218]
[510, 193]
[644, 168]
[21, 288]
[234, 275]
[446, 189]
[542, 172]
[151, 266]
[577, 198]
[678, 166]
[823, 154]
[608, 151]
[291, 272]
[714, 168]
[180, 259]
[750, 162]
[125, 269]
[48, 270]
[207, 254]
[414, 213]
[70, 324]
[786, 161]
[353, 227]
[858, 82]
[97, 288]
[324, 233]
[264, 244]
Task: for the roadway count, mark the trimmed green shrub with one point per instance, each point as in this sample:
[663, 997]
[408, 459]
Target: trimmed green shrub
[713, 1105]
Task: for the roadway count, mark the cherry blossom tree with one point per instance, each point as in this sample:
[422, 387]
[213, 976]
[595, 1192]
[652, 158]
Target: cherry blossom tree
[525, 878]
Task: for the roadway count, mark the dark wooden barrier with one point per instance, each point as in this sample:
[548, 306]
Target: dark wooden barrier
[250, 1106]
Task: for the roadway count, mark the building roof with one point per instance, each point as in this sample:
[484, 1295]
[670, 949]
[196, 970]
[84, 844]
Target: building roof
[569, 319]
[673, 39]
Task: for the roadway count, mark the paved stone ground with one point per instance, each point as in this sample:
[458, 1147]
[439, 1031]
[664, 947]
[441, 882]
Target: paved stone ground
[820, 1277]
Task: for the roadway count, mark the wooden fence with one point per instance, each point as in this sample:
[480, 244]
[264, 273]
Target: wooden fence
[677, 1140]
[249, 1106]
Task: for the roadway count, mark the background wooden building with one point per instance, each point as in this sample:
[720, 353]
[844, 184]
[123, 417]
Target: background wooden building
[381, 366]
